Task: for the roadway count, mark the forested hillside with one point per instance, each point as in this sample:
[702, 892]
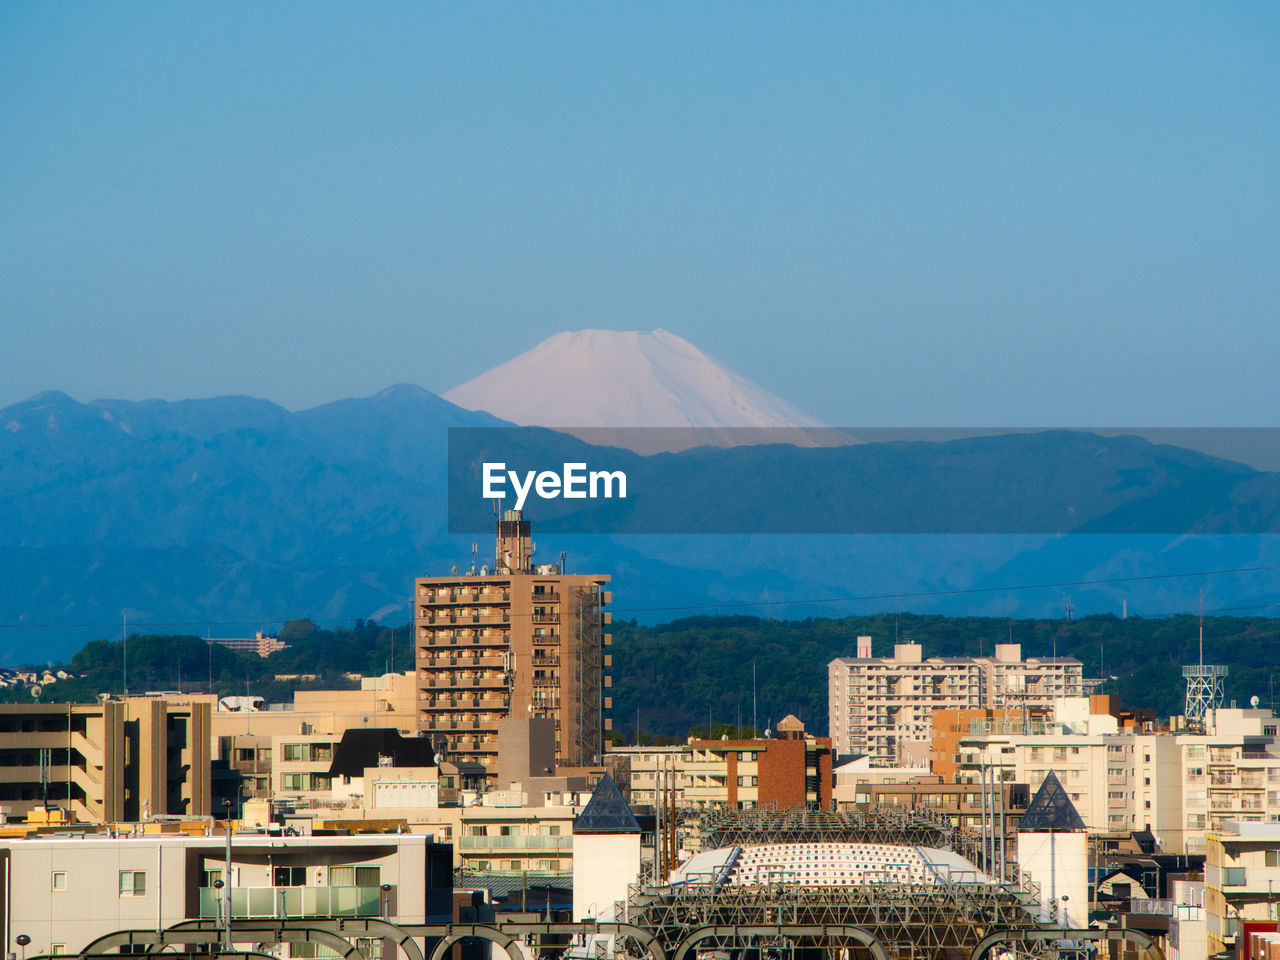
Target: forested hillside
[688, 673]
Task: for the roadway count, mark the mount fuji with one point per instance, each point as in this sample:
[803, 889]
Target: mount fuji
[614, 380]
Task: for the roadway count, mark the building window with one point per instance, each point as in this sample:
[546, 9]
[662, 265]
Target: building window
[354, 876]
[289, 877]
[1273, 858]
[293, 781]
[293, 752]
[245, 755]
[1233, 877]
[133, 883]
[59, 880]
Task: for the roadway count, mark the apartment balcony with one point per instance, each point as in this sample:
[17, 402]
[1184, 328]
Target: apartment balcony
[545, 661]
[553, 597]
[517, 842]
[468, 662]
[546, 618]
[251, 903]
[546, 681]
[459, 681]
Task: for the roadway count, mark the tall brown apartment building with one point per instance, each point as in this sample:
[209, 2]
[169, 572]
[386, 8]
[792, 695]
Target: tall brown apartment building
[524, 640]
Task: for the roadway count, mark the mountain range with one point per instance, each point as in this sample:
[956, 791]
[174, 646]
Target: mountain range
[232, 514]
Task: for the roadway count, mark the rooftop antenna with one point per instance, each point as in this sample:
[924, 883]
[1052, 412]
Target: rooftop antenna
[755, 719]
[1202, 626]
[124, 641]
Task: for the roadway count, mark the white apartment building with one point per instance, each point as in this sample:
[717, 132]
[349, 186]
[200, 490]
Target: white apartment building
[63, 892]
[1177, 785]
[1241, 879]
[883, 706]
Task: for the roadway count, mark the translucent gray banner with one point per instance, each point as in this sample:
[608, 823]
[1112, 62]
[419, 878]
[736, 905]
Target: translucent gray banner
[868, 480]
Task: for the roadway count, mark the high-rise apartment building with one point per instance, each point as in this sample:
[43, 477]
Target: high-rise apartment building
[524, 640]
[883, 706]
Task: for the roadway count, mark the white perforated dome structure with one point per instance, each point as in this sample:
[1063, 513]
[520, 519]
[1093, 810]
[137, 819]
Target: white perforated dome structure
[826, 865]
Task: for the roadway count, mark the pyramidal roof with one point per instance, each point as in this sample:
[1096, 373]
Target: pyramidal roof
[607, 811]
[1051, 810]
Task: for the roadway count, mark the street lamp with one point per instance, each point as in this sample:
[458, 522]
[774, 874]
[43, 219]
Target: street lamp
[386, 901]
[23, 940]
[226, 914]
[217, 899]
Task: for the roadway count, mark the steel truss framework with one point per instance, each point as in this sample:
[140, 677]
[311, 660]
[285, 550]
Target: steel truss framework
[728, 828]
[882, 824]
[911, 919]
[785, 935]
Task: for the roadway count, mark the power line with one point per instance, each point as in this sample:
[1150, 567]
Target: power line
[861, 598]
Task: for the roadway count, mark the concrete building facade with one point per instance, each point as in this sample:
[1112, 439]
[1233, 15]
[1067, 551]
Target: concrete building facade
[526, 640]
[883, 706]
[64, 892]
[1178, 785]
[1241, 881]
[787, 772]
[118, 760]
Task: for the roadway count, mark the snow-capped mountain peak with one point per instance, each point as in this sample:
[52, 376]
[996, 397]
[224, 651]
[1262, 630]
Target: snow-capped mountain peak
[619, 379]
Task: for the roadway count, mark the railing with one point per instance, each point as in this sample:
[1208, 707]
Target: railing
[529, 842]
[266, 902]
[1152, 908]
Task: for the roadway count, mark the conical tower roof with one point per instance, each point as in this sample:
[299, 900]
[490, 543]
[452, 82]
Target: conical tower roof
[607, 811]
[1051, 810]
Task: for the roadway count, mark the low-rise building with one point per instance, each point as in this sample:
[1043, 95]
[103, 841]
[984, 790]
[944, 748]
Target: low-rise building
[791, 770]
[65, 891]
[1241, 881]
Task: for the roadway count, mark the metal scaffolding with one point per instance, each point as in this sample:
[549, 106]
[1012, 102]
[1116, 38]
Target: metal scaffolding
[912, 920]
[726, 828]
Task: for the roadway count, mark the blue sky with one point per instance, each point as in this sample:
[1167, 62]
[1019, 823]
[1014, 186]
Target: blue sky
[887, 214]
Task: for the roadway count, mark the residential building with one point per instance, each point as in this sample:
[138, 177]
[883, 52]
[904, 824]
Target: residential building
[883, 706]
[65, 891]
[525, 640]
[1135, 777]
[243, 730]
[117, 760]
[1241, 882]
[259, 644]
[300, 768]
[791, 770]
